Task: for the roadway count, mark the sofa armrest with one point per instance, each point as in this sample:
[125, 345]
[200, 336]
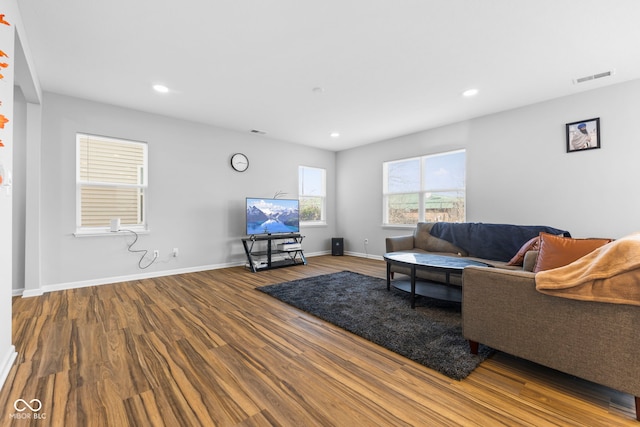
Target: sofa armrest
[530, 259]
[399, 243]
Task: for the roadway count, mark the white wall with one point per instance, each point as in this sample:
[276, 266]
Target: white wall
[518, 170]
[19, 188]
[196, 201]
[7, 39]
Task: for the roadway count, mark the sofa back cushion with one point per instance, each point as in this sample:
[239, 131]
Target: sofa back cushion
[498, 242]
[425, 241]
[556, 251]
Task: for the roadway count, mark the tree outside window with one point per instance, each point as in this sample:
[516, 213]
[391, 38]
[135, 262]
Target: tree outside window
[427, 188]
[312, 194]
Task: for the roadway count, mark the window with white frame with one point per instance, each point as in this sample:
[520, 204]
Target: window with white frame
[427, 188]
[312, 194]
[111, 182]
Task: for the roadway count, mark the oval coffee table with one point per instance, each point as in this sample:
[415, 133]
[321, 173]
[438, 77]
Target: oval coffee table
[441, 263]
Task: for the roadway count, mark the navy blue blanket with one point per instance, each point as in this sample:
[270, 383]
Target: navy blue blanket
[498, 242]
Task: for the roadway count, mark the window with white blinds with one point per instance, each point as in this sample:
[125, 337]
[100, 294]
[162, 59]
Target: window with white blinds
[111, 182]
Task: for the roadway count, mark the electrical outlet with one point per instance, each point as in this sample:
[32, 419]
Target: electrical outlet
[175, 252]
[366, 241]
[156, 253]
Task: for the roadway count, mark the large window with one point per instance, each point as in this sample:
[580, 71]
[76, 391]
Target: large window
[111, 177]
[312, 194]
[428, 188]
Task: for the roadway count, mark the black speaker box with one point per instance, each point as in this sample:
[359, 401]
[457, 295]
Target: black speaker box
[337, 246]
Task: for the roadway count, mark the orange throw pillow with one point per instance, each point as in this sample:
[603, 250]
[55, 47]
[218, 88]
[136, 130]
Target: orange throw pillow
[556, 251]
[531, 245]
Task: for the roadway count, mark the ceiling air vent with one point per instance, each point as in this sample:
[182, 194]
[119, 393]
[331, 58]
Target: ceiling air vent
[258, 132]
[593, 77]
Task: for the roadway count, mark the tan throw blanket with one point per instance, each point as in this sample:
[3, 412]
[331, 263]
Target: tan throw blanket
[611, 274]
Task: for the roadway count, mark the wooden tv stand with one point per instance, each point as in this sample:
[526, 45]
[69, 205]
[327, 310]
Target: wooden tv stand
[258, 260]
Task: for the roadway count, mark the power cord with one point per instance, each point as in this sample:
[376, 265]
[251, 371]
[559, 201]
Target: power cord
[143, 251]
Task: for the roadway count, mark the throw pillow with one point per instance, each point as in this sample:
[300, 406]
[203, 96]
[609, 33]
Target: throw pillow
[531, 245]
[556, 251]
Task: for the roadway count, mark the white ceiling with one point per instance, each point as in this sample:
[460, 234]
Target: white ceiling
[386, 67]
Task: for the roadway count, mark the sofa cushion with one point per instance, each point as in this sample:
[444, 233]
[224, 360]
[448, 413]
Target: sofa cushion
[556, 251]
[425, 241]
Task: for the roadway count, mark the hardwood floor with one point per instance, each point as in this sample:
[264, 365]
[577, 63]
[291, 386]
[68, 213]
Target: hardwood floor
[208, 349]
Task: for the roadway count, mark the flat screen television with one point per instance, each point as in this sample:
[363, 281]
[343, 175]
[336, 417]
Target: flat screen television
[272, 216]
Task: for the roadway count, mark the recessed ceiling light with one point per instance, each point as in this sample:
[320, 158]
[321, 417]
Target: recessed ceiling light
[335, 134]
[160, 88]
[470, 92]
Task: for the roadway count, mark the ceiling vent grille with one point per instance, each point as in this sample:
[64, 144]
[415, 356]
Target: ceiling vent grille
[593, 77]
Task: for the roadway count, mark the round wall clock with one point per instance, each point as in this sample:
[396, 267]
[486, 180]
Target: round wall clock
[239, 162]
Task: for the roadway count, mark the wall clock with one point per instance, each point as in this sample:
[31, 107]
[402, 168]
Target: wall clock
[239, 162]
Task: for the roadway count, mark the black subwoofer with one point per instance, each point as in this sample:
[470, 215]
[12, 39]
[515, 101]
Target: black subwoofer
[337, 246]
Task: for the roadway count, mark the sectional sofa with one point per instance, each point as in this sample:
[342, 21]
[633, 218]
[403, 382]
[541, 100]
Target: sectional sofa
[492, 244]
[596, 341]
[503, 309]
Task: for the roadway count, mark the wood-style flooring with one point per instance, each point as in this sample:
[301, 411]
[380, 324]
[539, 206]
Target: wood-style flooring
[208, 349]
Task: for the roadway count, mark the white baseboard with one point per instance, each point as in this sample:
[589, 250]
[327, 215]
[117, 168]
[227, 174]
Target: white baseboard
[127, 278]
[350, 253]
[6, 364]
[27, 293]
[312, 254]
[361, 255]
[148, 275]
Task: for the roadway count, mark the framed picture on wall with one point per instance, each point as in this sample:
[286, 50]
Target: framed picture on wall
[583, 135]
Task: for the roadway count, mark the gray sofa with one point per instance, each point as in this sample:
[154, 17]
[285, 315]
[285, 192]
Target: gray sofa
[596, 341]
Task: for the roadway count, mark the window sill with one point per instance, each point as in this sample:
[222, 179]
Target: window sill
[313, 224]
[399, 227]
[101, 233]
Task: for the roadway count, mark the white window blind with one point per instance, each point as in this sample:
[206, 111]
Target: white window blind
[112, 181]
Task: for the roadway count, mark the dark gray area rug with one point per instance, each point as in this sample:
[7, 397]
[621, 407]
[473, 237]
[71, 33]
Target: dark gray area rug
[431, 334]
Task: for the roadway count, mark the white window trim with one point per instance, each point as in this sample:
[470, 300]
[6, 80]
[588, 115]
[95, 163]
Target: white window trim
[323, 213]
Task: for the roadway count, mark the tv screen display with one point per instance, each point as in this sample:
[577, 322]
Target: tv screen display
[271, 216]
